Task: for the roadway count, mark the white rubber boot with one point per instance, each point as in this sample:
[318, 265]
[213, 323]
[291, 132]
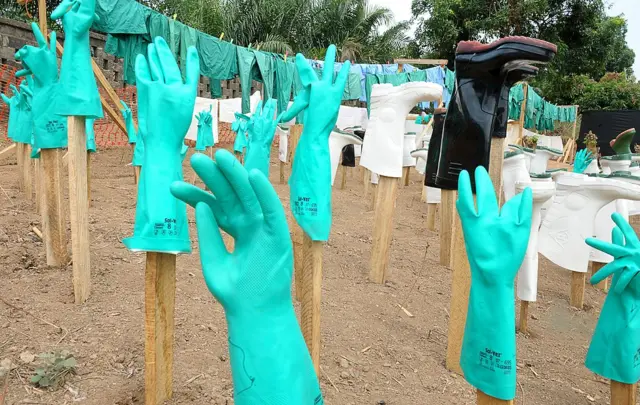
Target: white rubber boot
[528, 154]
[338, 140]
[615, 163]
[421, 159]
[544, 178]
[541, 157]
[592, 168]
[634, 206]
[407, 147]
[383, 144]
[572, 216]
[514, 170]
[527, 286]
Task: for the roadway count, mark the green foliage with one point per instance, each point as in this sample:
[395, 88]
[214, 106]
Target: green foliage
[53, 369]
[530, 141]
[27, 11]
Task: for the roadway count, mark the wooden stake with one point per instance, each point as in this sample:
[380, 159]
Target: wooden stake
[406, 172]
[423, 196]
[604, 284]
[54, 224]
[282, 181]
[295, 131]
[577, 289]
[623, 394]
[366, 181]
[42, 17]
[8, 150]
[26, 172]
[136, 174]
[37, 184]
[159, 307]
[524, 316]
[523, 109]
[311, 296]
[484, 399]
[374, 196]
[20, 161]
[382, 228]
[297, 235]
[37, 232]
[447, 214]
[343, 175]
[79, 208]
[461, 278]
[88, 179]
[431, 217]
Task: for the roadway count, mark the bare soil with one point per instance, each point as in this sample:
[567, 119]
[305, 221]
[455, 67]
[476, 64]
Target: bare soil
[372, 352]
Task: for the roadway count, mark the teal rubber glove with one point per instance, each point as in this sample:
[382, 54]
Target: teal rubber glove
[20, 126]
[138, 152]
[35, 152]
[261, 129]
[127, 115]
[614, 352]
[204, 138]
[583, 159]
[50, 128]
[488, 356]
[91, 135]
[270, 363]
[165, 105]
[239, 126]
[310, 181]
[14, 111]
[80, 96]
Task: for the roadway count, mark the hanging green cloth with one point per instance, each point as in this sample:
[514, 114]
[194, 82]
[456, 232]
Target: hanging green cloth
[267, 66]
[284, 83]
[246, 67]
[449, 79]
[121, 17]
[188, 38]
[127, 47]
[418, 76]
[218, 58]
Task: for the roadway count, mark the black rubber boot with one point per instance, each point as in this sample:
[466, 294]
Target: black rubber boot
[471, 116]
[349, 154]
[515, 72]
[433, 153]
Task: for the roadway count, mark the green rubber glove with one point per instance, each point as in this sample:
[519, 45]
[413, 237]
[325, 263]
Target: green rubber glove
[204, 138]
[310, 181]
[583, 159]
[165, 105]
[138, 152]
[80, 96]
[270, 363]
[239, 126]
[261, 129]
[20, 126]
[50, 128]
[91, 135]
[614, 352]
[488, 356]
[35, 152]
[127, 115]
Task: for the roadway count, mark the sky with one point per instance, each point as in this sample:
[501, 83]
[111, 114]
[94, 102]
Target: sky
[402, 11]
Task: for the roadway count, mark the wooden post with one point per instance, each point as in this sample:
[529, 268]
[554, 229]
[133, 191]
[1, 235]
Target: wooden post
[577, 289]
[604, 284]
[27, 178]
[8, 150]
[461, 278]
[311, 297]
[523, 109]
[374, 196]
[423, 195]
[136, 174]
[447, 214]
[79, 208]
[282, 181]
[382, 227]
[159, 306]
[88, 179]
[524, 316]
[37, 184]
[343, 176]
[623, 394]
[366, 181]
[20, 163]
[431, 217]
[484, 399]
[296, 232]
[54, 224]
[406, 173]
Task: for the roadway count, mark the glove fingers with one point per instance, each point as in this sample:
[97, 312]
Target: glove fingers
[485, 194]
[606, 271]
[6, 99]
[606, 247]
[211, 175]
[23, 72]
[625, 278]
[239, 180]
[465, 204]
[155, 66]
[305, 71]
[52, 43]
[300, 102]
[40, 39]
[212, 248]
[142, 73]
[525, 210]
[617, 237]
[627, 230]
[270, 204]
[329, 63]
[343, 75]
[193, 68]
[170, 68]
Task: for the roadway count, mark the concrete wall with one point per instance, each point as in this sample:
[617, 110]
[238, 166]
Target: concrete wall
[15, 34]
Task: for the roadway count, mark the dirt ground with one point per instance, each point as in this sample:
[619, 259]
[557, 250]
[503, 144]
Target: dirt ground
[372, 352]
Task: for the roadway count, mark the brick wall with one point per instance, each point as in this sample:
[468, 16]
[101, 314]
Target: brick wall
[15, 34]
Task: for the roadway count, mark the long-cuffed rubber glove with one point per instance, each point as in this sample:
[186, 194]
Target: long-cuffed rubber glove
[614, 352]
[270, 363]
[239, 126]
[50, 128]
[165, 105]
[488, 356]
[80, 96]
[204, 138]
[310, 180]
[127, 115]
[14, 112]
[20, 114]
[91, 135]
[261, 129]
[582, 161]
